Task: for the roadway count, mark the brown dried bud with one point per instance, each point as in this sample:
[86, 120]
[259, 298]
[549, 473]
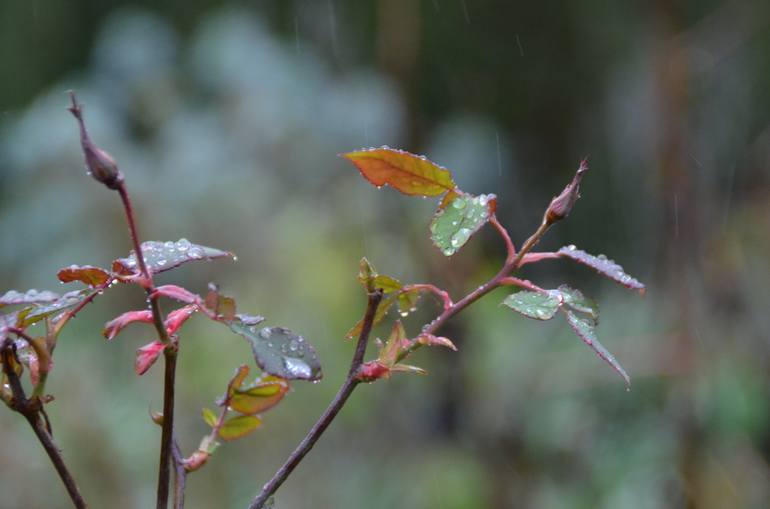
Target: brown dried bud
[561, 205]
[99, 163]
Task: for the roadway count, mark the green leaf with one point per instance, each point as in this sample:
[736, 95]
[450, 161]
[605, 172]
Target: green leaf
[405, 172]
[537, 305]
[260, 397]
[585, 328]
[604, 266]
[382, 310]
[459, 219]
[408, 368]
[67, 301]
[280, 352]
[239, 426]
[575, 300]
[407, 301]
[387, 284]
[86, 274]
[162, 256]
[12, 297]
[209, 417]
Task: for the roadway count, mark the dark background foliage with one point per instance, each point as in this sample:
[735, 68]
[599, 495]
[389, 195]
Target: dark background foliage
[226, 118]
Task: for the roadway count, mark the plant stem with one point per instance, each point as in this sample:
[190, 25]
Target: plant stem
[331, 411]
[180, 475]
[31, 410]
[169, 354]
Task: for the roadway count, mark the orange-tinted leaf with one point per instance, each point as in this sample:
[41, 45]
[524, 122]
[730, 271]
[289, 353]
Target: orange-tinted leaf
[408, 173]
[147, 355]
[86, 274]
[262, 396]
[240, 426]
[241, 372]
[178, 317]
[114, 326]
[222, 306]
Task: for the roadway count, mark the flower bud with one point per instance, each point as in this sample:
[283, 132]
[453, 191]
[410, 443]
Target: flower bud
[561, 205]
[99, 163]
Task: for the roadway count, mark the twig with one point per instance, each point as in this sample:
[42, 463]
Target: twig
[170, 355]
[331, 411]
[180, 474]
[31, 410]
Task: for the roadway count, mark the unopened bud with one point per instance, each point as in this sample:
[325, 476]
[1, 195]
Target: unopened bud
[561, 205]
[99, 163]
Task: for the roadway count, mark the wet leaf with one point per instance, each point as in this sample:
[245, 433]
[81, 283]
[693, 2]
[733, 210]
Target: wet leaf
[260, 396]
[114, 326]
[431, 340]
[280, 352]
[249, 319]
[604, 266]
[177, 318]
[147, 355]
[575, 300]
[162, 256]
[86, 274]
[240, 426]
[537, 305]
[12, 297]
[405, 172]
[407, 301]
[69, 300]
[209, 417]
[382, 310]
[463, 216]
[585, 328]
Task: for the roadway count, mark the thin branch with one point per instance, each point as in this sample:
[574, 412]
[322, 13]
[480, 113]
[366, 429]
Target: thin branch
[522, 283]
[509, 247]
[169, 354]
[331, 411]
[446, 300]
[180, 474]
[31, 410]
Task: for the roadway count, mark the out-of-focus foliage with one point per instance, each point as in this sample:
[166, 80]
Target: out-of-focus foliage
[226, 121]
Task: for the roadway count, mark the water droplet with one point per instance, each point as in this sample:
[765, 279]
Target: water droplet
[572, 247]
[293, 345]
[168, 244]
[404, 313]
[459, 203]
[264, 333]
[183, 244]
[297, 368]
[448, 251]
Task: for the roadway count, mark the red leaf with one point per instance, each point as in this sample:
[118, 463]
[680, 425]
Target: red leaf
[114, 326]
[86, 274]
[431, 340]
[147, 355]
[178, 317]
[405, 172]
[177, 293]
[371, 371]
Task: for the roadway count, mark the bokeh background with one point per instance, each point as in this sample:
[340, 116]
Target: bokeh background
[227, 118]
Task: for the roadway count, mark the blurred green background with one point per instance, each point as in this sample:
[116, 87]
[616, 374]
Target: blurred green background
[227, 118]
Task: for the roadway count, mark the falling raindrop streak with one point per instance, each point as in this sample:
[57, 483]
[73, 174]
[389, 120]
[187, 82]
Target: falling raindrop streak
[518, 43]
[465, 12]
[499, 155]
